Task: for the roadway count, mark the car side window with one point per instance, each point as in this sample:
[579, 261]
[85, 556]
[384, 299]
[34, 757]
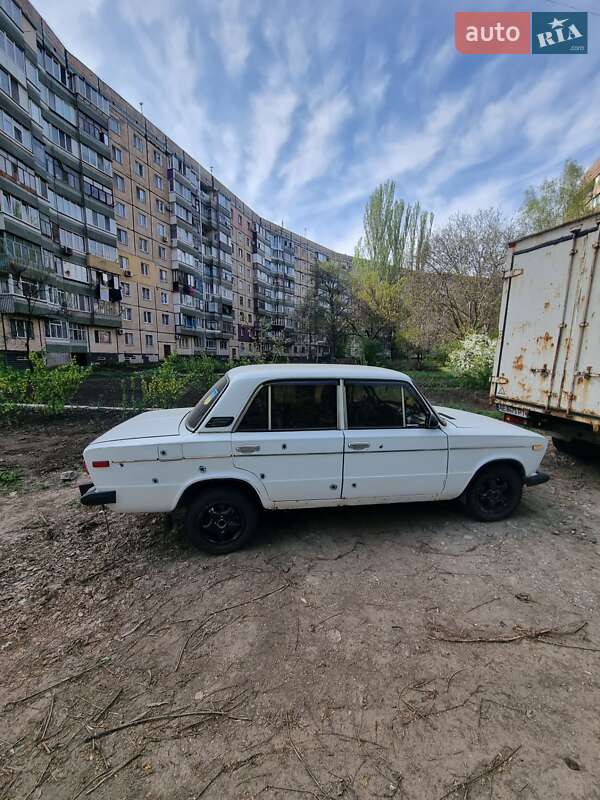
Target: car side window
[303, 406]
[415, 415]
[256, 417]
[377, 404]
[292, 406]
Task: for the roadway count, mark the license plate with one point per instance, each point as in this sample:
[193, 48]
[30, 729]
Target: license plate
[512, 410]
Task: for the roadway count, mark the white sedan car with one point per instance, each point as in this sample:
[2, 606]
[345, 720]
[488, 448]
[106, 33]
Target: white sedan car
[300, 436]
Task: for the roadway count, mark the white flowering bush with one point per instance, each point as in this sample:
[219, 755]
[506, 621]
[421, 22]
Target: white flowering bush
[473, 359]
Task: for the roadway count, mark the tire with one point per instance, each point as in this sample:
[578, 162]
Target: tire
[220, 521]
[494, 493]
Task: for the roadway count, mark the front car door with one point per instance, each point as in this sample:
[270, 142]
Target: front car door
[290, 438]
[389, 450]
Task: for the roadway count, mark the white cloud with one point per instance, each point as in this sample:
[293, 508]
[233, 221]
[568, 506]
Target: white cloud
[319, 144]
[229, 25]
[272, 111]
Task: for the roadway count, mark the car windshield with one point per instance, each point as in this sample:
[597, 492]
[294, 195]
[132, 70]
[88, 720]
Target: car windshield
[204, 405]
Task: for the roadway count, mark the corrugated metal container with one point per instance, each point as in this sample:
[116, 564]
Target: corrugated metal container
[548, 356]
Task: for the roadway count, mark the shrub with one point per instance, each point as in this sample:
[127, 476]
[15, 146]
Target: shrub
[473, 359]
[54, 386]
[13, 391]
[164, 386]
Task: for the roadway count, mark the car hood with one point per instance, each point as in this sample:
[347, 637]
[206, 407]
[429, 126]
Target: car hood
[165, 422]
[479, 422]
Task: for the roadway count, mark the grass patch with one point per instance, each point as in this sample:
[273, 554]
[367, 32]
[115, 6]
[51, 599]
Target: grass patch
[10, 478]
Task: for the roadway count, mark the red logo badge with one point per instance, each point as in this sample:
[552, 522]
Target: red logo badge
[492, 32]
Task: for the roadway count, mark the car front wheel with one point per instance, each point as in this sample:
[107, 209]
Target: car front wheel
[494, 493]
[221, 520]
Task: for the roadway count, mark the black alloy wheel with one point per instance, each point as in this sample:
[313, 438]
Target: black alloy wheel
[221, 520]
[494, 493]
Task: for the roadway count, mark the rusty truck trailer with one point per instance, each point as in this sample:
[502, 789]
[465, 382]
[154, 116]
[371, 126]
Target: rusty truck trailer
[547, 367]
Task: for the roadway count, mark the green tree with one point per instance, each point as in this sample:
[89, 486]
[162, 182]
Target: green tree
[556, 200]
[395, 242]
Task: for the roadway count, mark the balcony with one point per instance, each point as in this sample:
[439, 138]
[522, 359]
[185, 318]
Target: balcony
[184, 330]
[106, 319]
[102, 264]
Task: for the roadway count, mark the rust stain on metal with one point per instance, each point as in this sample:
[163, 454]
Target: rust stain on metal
[547, 305]
[545, 340]
[518, 362]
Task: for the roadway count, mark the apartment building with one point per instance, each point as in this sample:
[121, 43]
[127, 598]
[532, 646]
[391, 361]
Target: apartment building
[593, 177]
[115, 244]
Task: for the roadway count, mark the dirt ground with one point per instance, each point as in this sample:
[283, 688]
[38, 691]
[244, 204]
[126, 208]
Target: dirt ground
[318, 662]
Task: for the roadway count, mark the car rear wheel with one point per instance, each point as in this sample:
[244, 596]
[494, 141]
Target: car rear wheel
[221, 520]
[494, 493]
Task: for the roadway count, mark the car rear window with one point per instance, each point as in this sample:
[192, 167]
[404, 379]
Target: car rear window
[204, 405]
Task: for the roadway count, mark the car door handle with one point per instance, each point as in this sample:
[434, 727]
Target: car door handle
[359, 445]
[248, 448]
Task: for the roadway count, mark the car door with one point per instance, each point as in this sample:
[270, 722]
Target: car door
[289, 437]
[389, 450]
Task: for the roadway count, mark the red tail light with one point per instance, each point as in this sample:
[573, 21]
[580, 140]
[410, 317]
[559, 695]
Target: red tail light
[100, 464]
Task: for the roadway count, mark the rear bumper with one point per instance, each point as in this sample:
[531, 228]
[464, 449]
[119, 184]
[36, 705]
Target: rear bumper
[90, 496]
[535, 480]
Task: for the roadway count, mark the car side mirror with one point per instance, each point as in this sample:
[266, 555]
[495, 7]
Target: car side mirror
[433, 421]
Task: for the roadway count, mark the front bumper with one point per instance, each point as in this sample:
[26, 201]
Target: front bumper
[90, 496]
[535, 480]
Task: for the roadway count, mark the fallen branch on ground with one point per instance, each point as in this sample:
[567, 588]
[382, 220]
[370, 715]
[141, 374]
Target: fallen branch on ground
[100, 663]
[447, 635]
[497, 763]
[162, 717]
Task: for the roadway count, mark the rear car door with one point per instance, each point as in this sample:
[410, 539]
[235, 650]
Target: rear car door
[290, 439]
[389, 450]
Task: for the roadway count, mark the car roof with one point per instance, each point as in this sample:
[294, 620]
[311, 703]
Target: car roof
[266, 372]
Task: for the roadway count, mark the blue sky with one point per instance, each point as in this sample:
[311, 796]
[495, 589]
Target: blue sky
[303, 107]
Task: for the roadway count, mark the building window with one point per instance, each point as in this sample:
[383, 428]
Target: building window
[165, 319]
[143, 220]
[114, 125]
[157, 157]
[55, 329]
[129, 339]
[137, 142]
[120, 210]
[140, 194]
[124, 262]
[149, 340]
[145, 268]
[159, 205]
[139, 169]
[102, 337]
[18, 329]
[158, 181]
[161, 229]
[143, 245]
[162, 252]
[119, 182]
[145, 293]
[122, 236]
[126, 313]
[162, 275]
[164, 298]
[148, 316]
[126, 289]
